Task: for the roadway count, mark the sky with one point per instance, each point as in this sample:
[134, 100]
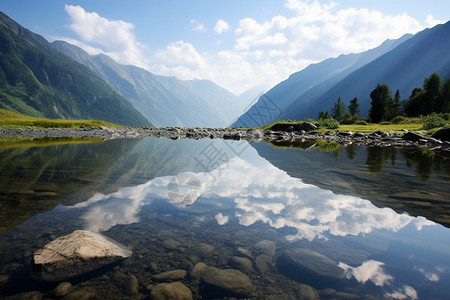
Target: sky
[238, 44]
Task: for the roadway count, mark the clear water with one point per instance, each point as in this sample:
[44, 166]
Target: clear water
[346, 222]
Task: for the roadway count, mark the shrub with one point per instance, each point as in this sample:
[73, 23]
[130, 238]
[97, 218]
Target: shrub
[433, 121]
[361, 122]
[385, 123]
[445, 116]
[398, 120]
[329, 123]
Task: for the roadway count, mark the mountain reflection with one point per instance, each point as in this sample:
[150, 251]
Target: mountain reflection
[259, 192]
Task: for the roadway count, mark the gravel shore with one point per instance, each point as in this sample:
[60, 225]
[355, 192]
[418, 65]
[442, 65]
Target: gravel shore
[285, 136]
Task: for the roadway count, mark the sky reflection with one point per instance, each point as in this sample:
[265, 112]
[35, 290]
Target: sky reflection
[260, 193]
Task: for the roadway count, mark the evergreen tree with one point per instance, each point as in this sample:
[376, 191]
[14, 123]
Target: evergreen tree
[353, 107]
[324, 115]
[392, 107]
[432, 87]
[443, 103]
[338, 110]
[380, 96]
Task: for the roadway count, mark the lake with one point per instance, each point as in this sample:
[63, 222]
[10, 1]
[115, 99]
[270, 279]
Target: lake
[299, 221]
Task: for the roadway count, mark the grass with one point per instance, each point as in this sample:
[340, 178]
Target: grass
[10, 119]
[15, 142]
[410, 124]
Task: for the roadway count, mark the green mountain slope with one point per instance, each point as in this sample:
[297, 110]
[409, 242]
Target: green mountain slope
[39, 81]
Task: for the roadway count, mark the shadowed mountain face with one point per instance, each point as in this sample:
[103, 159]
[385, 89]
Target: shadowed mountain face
[402, 64]
[164, 101]
[403, 68]
[309, 83]
[39, 81]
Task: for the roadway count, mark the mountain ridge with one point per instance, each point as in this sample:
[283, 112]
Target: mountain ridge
[163, 100]
[402, 64]
[403, 68]
[37, 80]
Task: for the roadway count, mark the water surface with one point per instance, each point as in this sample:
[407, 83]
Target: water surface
[345, 222]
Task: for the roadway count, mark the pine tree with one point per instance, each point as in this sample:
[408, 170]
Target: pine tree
[353, 107]
[380, 96]
[338, 110]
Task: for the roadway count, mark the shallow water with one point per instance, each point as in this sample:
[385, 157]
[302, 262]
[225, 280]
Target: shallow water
[345, 222]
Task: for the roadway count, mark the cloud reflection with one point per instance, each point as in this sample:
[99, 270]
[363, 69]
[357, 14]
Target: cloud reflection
[370, 270]
[406, 292]
[261, 193]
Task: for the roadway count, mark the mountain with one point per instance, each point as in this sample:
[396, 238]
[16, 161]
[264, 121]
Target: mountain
[39, 81]
[404, 68]
[309, 83]
[164, 101]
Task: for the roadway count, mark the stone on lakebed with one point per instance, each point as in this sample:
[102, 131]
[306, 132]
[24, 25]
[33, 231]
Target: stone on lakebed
[75, 254]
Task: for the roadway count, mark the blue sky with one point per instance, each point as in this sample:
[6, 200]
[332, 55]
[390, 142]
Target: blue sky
[237, 44]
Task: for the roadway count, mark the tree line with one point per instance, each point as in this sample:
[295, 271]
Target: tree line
[433, 97]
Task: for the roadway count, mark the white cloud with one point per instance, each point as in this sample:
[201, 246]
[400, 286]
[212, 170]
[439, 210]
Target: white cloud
[221, 26]
[115, 38]
[181, 53]
[430, 21]
[196, 26]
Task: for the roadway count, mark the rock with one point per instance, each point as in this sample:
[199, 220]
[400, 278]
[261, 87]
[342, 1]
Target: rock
[306, 292]
[79, 295]
[132, 285]
[435, 141]
[61, 290]
[171, 244]
[442, 134]
[74, 254]
[264, 263]
[174, 275]
[307, 126]
[309, 263]
[265, 247]
[359, 135]
[244, 252]
[414, 137]
[199, 270]
[175, 291]
[345, 133]
[229, 280]
[241, 263]
[380, 133]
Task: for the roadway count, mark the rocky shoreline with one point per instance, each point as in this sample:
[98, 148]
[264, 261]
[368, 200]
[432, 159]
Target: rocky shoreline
[288, 135]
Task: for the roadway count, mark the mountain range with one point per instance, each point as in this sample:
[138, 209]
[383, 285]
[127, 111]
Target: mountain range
[60, 80]
[163, 100]
[402, 64]
[39, 81]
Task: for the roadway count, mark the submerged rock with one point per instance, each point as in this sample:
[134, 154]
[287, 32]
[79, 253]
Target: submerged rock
[75, 254]
[229, 280]
[310, 267]
[175, 290]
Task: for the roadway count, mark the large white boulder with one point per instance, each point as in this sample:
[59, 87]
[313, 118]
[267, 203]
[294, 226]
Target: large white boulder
[75, 254]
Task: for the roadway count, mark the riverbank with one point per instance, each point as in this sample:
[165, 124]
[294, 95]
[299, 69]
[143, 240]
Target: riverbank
[285, 136]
